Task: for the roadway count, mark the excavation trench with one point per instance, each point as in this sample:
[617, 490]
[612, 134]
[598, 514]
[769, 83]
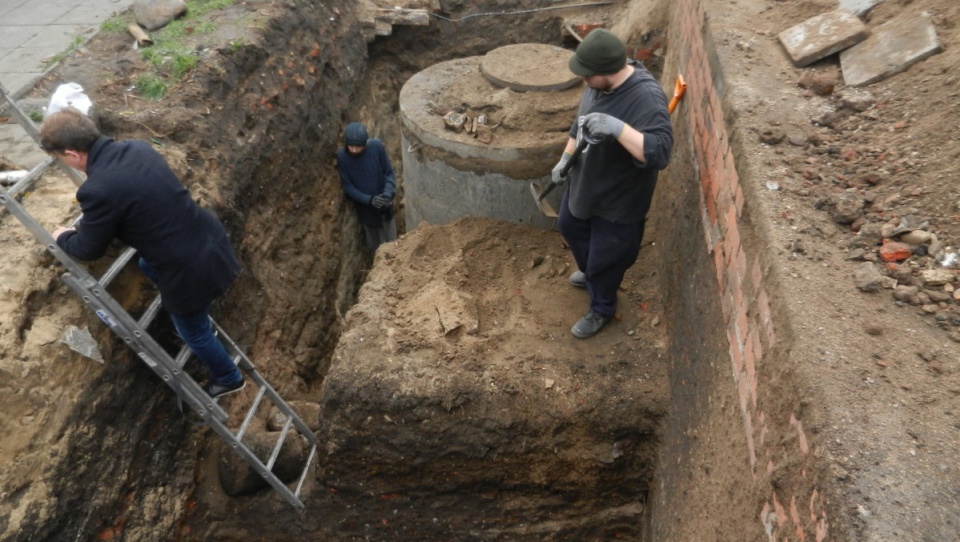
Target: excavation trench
[449, 398]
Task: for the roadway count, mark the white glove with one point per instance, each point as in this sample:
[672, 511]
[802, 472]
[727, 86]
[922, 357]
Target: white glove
[556, 176]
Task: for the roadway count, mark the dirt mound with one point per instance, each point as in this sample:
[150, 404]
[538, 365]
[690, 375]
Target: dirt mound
[458, 357]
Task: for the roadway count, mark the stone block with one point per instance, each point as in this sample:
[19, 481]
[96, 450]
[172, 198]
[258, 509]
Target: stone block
[893, 47]
[822, 36]
[859, 7]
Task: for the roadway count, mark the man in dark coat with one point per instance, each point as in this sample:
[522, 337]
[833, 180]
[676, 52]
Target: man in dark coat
[602, 216]
[367, 178]
[131, 194]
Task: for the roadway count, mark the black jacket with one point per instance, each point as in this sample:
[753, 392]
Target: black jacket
[131, 194]
[607, 181]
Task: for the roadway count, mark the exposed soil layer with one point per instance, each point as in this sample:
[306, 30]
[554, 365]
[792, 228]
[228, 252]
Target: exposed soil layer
[448, 311]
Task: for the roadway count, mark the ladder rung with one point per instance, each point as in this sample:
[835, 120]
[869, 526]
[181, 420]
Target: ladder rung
[306, 469]
[279, 444]
[152, 311]
[117, 266]
[182, 357]
[29, 179]
[250, 413]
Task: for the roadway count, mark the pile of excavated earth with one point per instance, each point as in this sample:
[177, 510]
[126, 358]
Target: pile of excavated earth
[439, 375]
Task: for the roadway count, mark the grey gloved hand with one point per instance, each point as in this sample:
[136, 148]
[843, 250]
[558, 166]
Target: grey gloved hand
[603, 125]
[556, 177]
[380, 201]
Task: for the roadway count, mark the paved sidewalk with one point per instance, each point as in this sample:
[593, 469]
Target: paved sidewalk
[32, 32]
[36, 30]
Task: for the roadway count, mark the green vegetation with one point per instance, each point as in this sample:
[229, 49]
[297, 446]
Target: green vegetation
[174, 52]
[151, 86]
[36, 116]
[117, 23]
[180, 64]
[77, 41]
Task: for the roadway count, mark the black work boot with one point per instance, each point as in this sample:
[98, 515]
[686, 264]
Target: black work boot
[216, 390]
[578, 279]
[590, 324]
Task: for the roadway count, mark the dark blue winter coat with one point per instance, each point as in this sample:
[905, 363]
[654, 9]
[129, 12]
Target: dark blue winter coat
[131, 194]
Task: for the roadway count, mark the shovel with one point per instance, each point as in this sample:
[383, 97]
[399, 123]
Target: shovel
[539, 192]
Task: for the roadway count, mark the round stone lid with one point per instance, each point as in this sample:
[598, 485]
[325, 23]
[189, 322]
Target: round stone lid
[529, 67]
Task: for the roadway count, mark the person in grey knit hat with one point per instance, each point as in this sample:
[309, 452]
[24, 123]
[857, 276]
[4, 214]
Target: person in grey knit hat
[624, 123]
[367, 178]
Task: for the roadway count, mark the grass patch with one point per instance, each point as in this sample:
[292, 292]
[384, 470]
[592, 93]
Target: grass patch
[77, 41]
[151, 87]
[117, 23]
[181, 64]
[174, 51]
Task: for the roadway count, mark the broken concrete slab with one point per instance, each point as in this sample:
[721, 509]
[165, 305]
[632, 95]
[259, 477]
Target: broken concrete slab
[859, 7]
[893, 47]
[823, 35]
[398, 16]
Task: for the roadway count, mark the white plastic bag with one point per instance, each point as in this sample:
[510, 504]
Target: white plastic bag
[68, 95]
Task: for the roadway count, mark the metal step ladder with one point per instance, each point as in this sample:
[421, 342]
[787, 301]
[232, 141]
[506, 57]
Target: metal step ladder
[93, 292]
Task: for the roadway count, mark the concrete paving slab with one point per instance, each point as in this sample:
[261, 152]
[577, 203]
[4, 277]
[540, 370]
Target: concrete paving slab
[35, 30]
[83, 14]
[859, 7]
[16, 36]
[821, 36]
[892, 48]
[19, 148]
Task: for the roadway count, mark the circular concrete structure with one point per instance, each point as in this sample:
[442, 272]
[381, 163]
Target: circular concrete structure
[478, 130]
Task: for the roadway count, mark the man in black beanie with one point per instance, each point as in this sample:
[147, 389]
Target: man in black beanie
[624, 112]
[367, 178]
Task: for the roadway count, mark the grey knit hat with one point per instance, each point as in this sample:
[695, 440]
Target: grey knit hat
[600, 53]
[355, 135]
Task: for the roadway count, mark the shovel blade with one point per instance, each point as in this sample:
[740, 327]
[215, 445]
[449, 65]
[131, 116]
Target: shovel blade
[539, 195]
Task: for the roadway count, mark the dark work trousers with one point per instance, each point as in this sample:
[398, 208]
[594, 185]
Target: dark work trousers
[377, 235]
[604, 251]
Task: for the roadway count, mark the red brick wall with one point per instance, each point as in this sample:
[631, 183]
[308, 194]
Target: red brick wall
[775, 443]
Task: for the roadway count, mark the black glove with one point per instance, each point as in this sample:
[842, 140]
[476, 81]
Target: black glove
[380, 202]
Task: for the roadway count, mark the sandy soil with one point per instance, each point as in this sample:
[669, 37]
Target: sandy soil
[890, 368]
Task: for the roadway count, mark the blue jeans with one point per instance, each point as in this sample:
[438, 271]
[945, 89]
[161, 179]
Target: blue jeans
[195, 330]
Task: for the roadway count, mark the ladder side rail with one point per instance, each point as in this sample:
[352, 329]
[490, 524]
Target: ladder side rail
[28, 126]
[146, 348]
[258, 465]
[247, 365]
[30, 177]
[42, 235]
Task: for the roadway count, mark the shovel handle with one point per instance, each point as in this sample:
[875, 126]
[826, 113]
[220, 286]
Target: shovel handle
[679, 88]
[573, 158]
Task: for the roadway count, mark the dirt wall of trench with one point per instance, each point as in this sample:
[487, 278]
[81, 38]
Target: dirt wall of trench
[252, 134]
